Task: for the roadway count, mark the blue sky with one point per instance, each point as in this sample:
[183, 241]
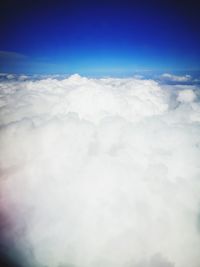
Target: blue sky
[91, 37]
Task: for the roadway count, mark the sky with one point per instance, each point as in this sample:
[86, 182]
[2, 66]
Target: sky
[99, 37]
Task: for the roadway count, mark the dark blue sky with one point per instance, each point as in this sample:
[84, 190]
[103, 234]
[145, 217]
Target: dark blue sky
[108, 37]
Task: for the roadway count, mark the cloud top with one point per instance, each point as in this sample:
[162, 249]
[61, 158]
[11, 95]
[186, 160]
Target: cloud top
[100, 172]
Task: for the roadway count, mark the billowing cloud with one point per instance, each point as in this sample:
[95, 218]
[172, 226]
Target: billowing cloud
[100, 172]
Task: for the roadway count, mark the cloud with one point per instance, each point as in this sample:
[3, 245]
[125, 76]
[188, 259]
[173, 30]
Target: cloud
[100, 172]
[23, 77]
[15, 62]
[11, 56]
[11, 61]
[176, 78]
[155, 261]
[186, 96]
[10, 76]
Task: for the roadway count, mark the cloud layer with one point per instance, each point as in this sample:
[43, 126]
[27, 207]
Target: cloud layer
[176, 78]
[100, 172]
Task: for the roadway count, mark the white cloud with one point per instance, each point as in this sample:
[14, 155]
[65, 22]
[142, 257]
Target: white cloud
[10, 76]
[2, 74]
[138, 76]
[23, 77]
[186, 96]
[101, 172]
[176, 78]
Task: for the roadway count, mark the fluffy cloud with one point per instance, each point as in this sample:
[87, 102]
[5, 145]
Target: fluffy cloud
[186, 96]
[100, 172]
